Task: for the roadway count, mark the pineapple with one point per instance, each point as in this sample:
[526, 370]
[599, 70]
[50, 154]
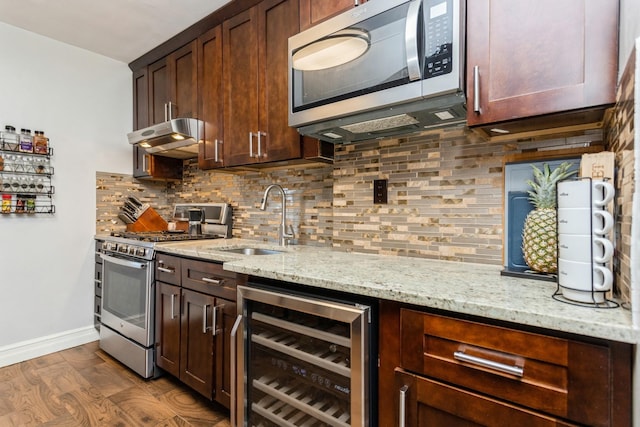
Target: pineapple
[539, 243]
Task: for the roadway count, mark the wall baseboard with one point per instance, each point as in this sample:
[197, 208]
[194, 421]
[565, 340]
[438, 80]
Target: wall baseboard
[37, 347]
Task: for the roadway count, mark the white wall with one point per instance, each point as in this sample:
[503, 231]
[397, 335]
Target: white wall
[82, 101]
[629, 30]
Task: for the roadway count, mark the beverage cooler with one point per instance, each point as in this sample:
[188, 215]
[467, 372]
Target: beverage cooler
[304, 360]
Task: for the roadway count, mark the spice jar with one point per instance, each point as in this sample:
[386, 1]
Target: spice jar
[10, 138]
[26, 141]
[6, 203]
[40, 143]
[20, 203]
[30, 203]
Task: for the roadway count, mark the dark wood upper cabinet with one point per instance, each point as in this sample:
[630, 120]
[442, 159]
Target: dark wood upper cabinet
[255, 84]
[173, 89]
[315, 11]
[151, 94]
[529, 58]
[140, 99]
[210, 106]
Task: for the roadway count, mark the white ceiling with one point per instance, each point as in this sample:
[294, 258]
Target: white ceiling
[120, 29]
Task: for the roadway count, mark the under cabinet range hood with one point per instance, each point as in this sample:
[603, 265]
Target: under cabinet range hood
[396, 67]
[176, 138]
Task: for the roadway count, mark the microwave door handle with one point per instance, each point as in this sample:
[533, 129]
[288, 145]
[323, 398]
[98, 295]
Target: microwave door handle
[125, 263]
[411, 40]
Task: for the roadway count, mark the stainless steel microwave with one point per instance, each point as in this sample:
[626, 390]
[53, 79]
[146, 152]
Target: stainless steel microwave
[383, 68]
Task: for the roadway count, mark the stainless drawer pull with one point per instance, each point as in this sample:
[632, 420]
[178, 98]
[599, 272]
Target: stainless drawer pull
[476, 89]
[212, 281]
[173, 306]
[403, 403]
[166, 270]
[486, 363]
[204, 318]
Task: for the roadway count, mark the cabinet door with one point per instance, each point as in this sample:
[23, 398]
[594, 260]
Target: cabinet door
[211, 98]
[158, 91]
[314, 11]
[172, 85]
[168, 328]
[239, 47]
[183, 88]
[225, 318]
[431, 403]
[148, 166]
[277, 21]
[196, 336]
[140, 99]
[537, 57]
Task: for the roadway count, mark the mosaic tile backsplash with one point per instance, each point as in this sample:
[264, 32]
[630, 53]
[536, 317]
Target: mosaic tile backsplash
[445, 196]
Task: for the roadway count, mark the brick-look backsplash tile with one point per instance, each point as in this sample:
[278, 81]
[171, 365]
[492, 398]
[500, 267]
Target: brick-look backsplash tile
[620, 140]
[445, 196]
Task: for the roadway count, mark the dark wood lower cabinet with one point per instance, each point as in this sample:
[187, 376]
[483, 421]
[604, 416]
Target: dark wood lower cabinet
[194, 317]
[430, 403]
[197, 342]
[444, 370]
[168, 328]
[223, 363]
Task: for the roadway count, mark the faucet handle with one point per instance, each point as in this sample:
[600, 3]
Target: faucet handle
[288, 234]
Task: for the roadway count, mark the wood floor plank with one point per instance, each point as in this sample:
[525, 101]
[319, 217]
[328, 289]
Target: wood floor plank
[62, 378]
[84, 386]
[195, 410]
[141, 407]
[90, 408]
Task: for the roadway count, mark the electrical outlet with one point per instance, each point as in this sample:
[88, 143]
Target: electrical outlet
[380, 191]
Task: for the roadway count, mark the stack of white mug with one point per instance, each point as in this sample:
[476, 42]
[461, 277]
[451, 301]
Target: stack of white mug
[584, 249]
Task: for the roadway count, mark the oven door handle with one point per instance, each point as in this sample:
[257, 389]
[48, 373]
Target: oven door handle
[124, 262]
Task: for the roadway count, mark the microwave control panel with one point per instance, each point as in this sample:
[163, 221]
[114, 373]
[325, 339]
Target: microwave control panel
[438, 18]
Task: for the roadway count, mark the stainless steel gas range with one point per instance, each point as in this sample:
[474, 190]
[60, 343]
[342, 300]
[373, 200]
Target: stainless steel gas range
[127, 306]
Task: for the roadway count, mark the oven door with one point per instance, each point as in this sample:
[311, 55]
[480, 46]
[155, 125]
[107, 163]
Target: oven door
[127, 297]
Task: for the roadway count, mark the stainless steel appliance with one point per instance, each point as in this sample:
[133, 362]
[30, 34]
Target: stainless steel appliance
[176, 138]
[215, 218]
[303, 360]
[127, 303]
[400, 69]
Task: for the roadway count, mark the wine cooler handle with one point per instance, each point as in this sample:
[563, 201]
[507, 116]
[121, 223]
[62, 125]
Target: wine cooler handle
[403, 403]
[233, 350]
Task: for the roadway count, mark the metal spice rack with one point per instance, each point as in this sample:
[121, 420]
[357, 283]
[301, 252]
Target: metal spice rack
[28, 175]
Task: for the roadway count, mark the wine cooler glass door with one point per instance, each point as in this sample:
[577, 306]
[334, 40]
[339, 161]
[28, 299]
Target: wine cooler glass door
[304, 359]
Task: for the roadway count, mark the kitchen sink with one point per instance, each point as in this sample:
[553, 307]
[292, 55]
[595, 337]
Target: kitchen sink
[252, 251]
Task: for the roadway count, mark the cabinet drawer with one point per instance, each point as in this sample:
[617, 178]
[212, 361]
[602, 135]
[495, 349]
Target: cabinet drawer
[209, 278]
[168, 269]
[432, 403]
[570, 379]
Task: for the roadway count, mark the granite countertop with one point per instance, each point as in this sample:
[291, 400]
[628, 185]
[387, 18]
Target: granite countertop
[474, 289]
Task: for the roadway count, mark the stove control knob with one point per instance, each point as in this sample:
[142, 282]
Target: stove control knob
[123, 248]
[132, 250]
[141, 252]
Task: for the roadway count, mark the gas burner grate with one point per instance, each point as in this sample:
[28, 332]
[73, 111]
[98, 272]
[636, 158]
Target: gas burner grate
[161, 236]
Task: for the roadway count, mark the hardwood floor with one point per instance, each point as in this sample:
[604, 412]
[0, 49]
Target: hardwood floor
[84, 386]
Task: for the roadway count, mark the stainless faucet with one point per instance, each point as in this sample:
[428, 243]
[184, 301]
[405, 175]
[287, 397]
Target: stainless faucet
[283, 235]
